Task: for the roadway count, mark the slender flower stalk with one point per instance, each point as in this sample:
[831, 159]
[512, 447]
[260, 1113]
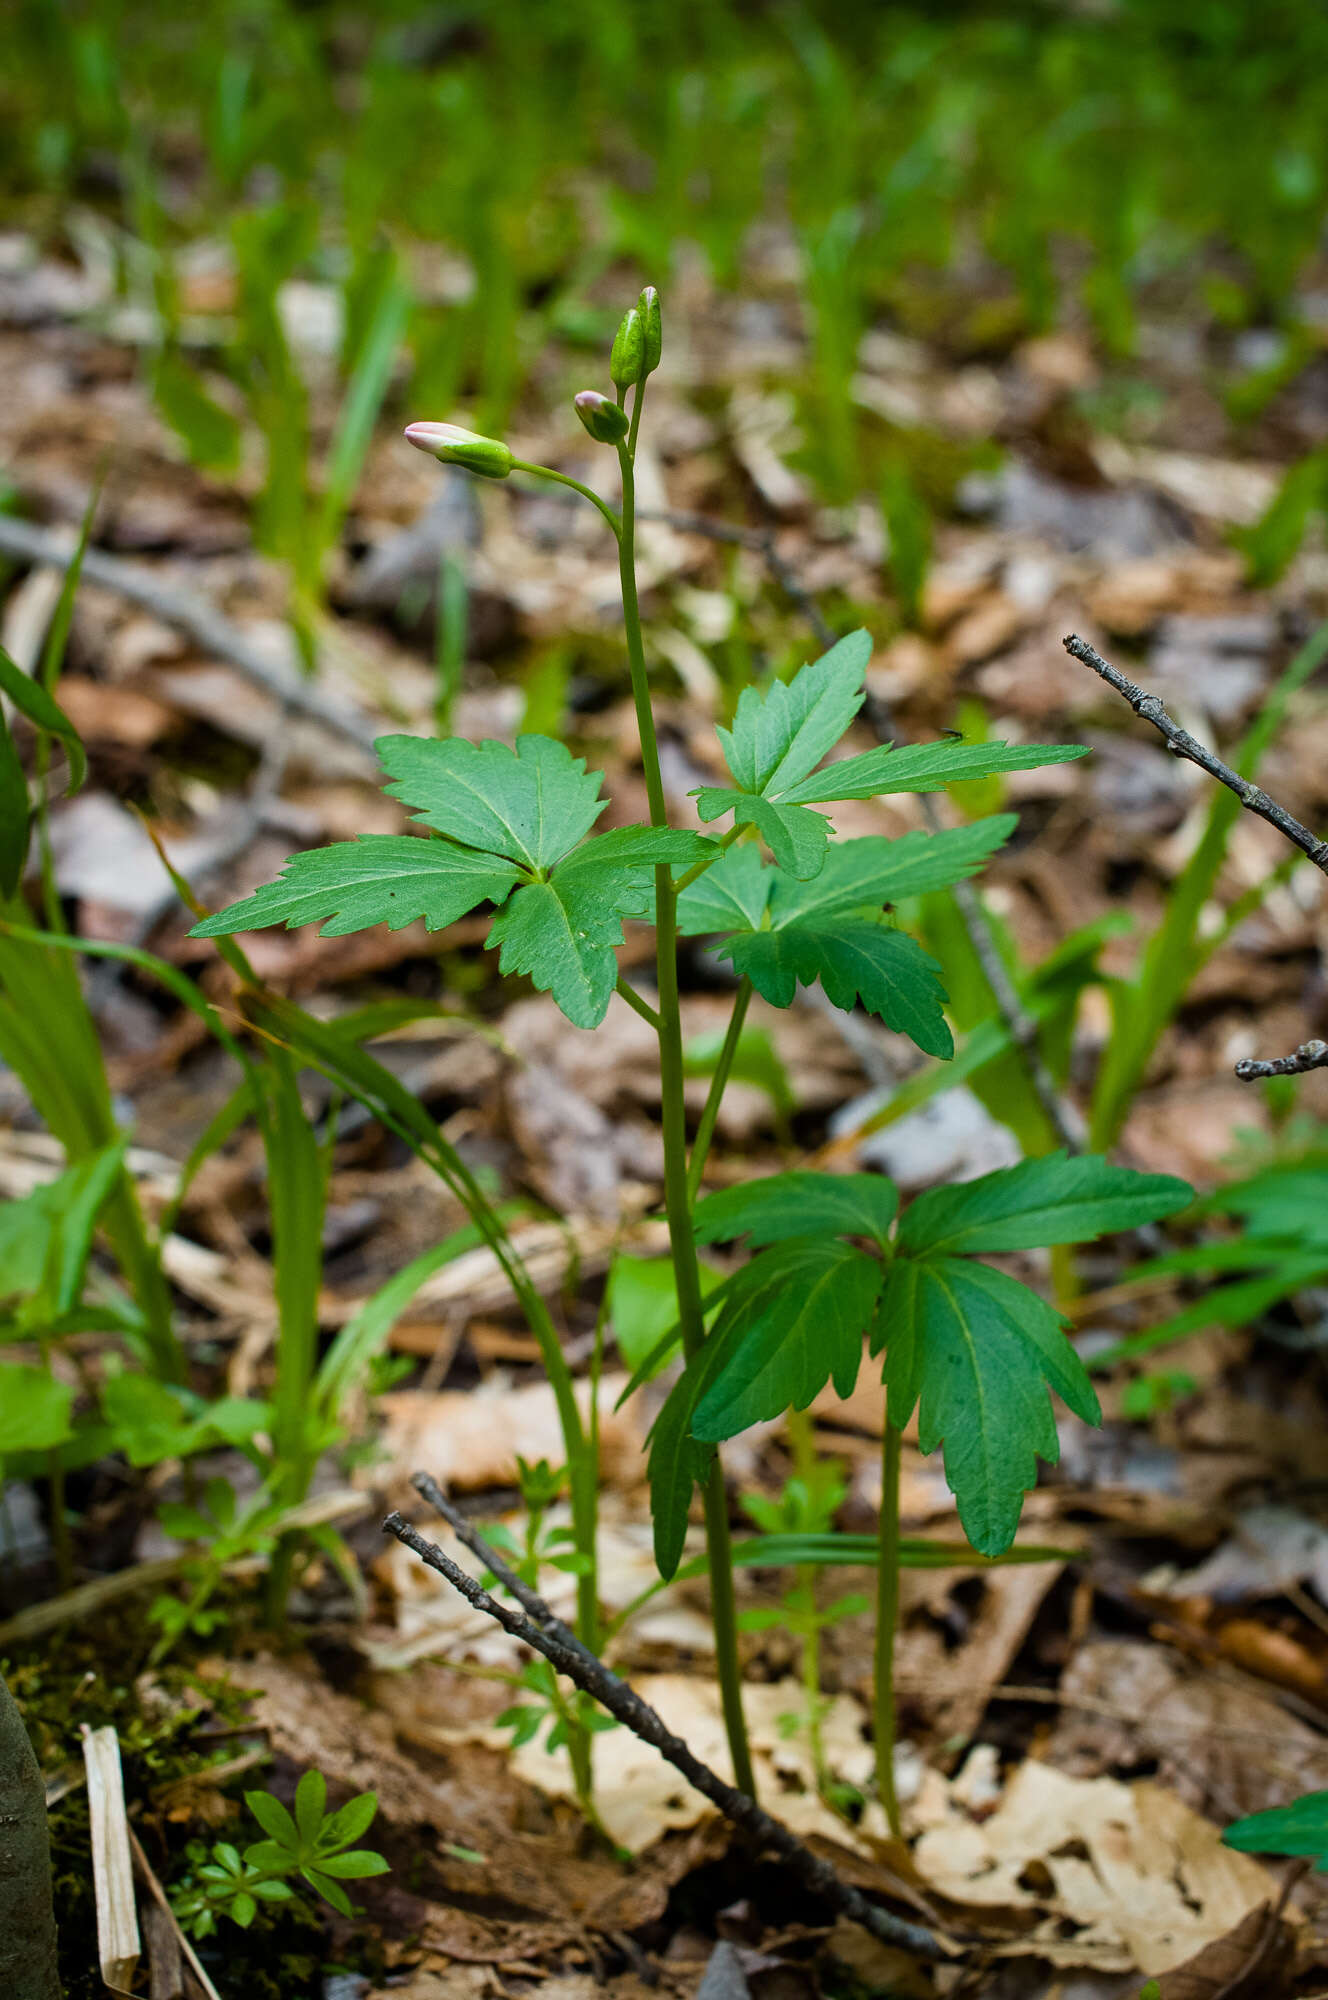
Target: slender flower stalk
[887, 1624]
[636, 352]
[677, 1192]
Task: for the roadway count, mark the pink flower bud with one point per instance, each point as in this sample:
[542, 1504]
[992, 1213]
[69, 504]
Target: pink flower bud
[454, 446]
[606, 421]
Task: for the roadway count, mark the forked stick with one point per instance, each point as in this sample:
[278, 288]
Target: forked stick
[1310, 1055]
[538, 1627]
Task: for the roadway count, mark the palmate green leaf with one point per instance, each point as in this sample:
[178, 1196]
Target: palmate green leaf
[563, 933]
[784, 932]
[789, 1321]
[797, 838]
[384, 878]
[865, 874]
[1055, 1199]
[531, 805]
[562, 936]
[923, 767]
[36, 1411]
[740, 893]
[678, 1462]
[977, 1353]
[781, 733]
[855, 960]
[1300, 1828]
[800, 1204]
[733, 895]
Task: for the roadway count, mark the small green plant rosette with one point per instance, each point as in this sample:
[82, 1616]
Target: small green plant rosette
[454, 446]
[652, 323]
[605, 420]
[627, 362]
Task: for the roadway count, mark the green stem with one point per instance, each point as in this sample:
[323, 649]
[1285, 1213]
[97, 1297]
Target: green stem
[887, 1624]
[723, 1601]
[705, 1131]
[586, 492]
[636, 653]
[637, 1004]
[802, 1436]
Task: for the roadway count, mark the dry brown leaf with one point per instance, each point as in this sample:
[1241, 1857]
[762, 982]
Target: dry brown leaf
[1249, 1963]
[1223, 1745]
[1120, 1877]
[953, 1684]
[639, 1797]
[470, 1439]
[102, 713]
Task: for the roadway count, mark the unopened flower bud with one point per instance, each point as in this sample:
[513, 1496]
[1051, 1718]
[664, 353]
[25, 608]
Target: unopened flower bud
[627, 361]
[454, 446]
[605, 420]
[652, 322]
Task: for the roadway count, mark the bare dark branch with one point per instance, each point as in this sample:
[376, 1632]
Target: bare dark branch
[536, 1626]
[1182, 744]
[1310, 1055]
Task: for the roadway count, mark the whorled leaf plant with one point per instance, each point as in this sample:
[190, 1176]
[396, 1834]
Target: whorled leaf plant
[786, 905]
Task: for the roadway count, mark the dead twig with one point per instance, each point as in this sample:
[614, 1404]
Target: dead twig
[536, 1626]
[1182, 744]
[1310, 1055]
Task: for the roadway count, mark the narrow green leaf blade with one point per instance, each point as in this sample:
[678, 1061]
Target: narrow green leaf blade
[800, 1204]
[1055, 1199]
[30, 698]
[790, 1321]
[924, 767]
[531, 805]
[15, 815]
[977, 1352]
[274, 1819]
[384, 878]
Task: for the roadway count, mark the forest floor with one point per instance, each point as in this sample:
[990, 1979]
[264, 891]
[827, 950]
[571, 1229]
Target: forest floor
[1078, 1730]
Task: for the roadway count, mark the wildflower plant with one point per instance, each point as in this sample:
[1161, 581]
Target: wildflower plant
[310, 1846]
[785, 905]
